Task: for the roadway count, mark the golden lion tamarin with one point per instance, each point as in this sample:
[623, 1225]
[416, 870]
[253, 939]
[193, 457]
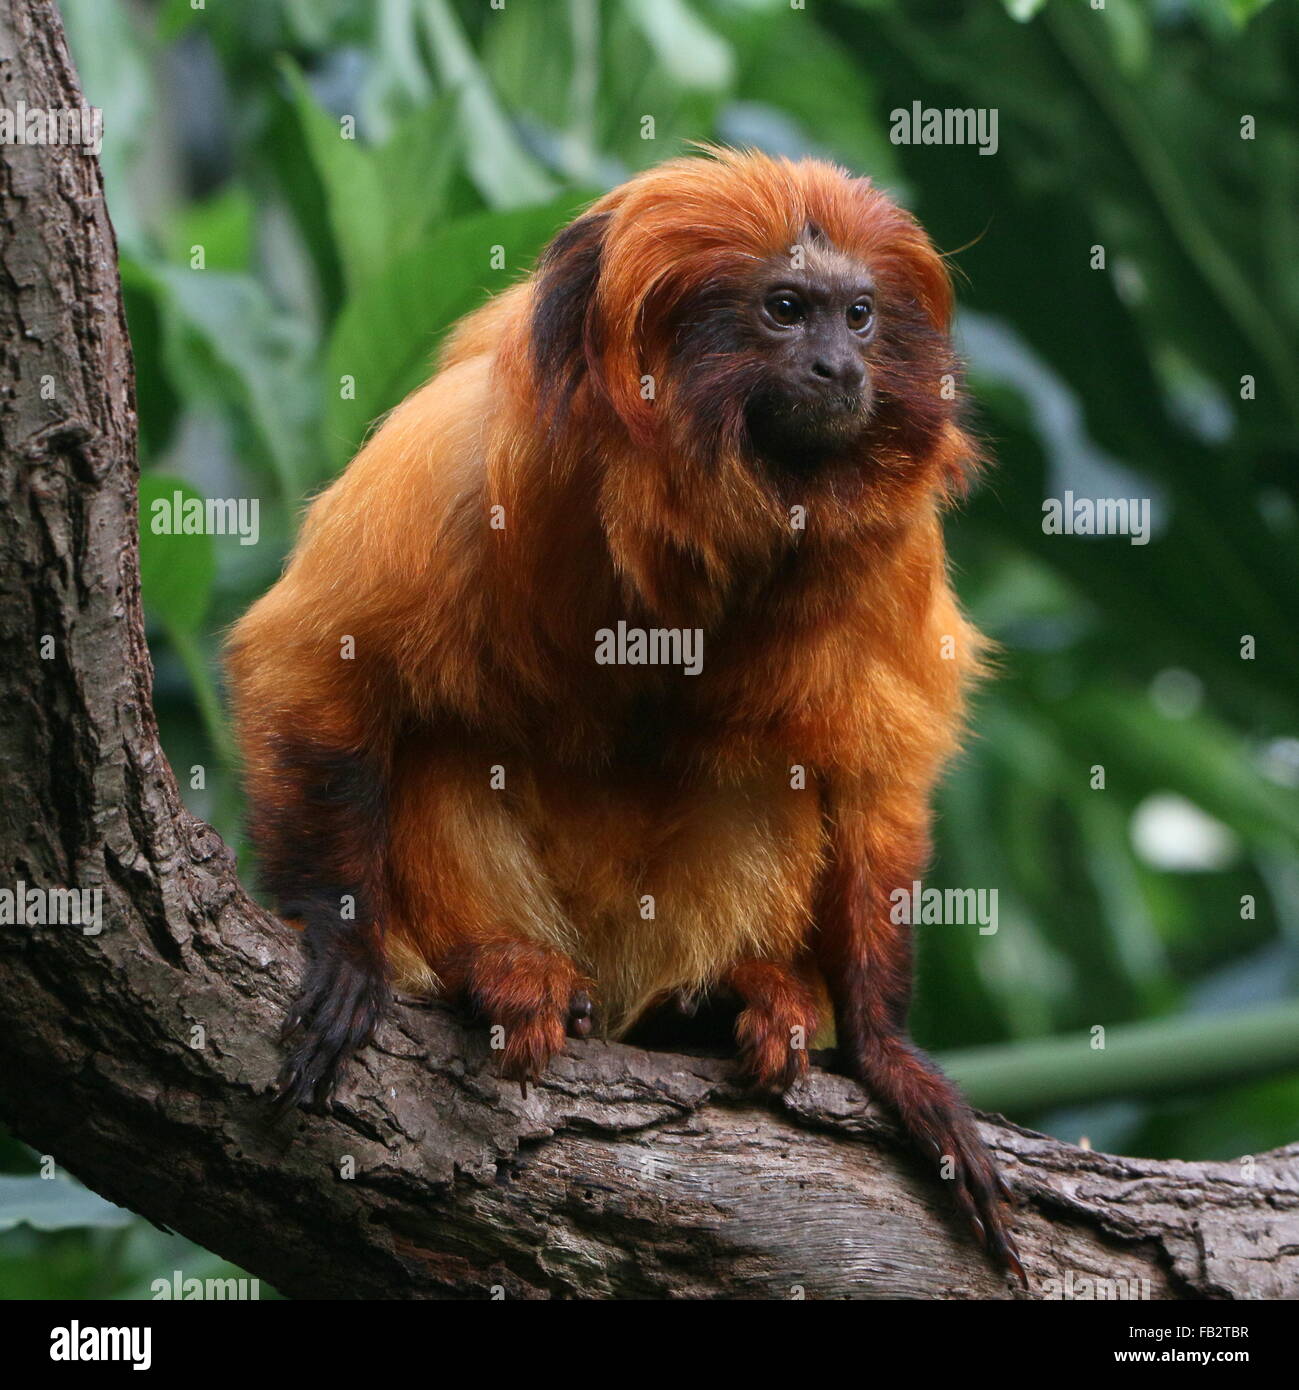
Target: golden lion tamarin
[620, 664]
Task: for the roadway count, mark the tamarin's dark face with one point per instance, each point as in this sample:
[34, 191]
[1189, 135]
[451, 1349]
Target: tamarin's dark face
[813, 327]
[798, 334]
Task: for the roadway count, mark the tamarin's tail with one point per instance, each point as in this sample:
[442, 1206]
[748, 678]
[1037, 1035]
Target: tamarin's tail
[320, 835]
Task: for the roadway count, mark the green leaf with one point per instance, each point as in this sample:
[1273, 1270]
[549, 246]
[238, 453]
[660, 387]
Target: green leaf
[225, 343]
[1242, 11]
[834, 100]
[397, 79]
[505, 174]
[55, 1204]
[1196, 756]
[386, 335]
[415, 169]
[691, 53]
[380, 201]
[356, 198]
[222, 226]
[176, 570]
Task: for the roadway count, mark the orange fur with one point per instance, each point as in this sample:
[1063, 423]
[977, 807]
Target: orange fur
[536, 802]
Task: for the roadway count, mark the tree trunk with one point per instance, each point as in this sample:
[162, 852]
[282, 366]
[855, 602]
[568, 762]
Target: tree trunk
[141, 1057]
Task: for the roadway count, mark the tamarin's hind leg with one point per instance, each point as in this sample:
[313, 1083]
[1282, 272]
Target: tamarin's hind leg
[533, 993]
[319, 836]
[779, 1020]
[866, 959]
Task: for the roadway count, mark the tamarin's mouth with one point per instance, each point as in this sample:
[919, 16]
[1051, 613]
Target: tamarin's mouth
[797, 433]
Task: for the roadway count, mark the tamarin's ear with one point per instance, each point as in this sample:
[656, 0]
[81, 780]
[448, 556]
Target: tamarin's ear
[908, 252]
[565, 328]
[928, 274]
[934, 283]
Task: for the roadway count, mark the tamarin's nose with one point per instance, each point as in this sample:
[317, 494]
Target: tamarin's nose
[845, 372]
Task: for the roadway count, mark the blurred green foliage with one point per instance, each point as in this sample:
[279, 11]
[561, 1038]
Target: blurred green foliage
[286, 284]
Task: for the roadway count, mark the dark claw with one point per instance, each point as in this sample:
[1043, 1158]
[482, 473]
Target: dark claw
[334, 1017]
[984, 1198]
[1008, 1253]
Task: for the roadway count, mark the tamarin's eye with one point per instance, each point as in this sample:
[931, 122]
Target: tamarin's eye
[860, 315]
[785, 308]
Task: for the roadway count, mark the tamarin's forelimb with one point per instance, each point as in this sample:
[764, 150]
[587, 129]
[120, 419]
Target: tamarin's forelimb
[779, 1020]
[530, 996]
[321, 858]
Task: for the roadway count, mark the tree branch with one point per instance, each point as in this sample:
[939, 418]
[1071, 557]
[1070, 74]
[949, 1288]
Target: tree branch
[141, 1057]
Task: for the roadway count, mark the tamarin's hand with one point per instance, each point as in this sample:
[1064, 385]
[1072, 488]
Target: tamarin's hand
[622, 661]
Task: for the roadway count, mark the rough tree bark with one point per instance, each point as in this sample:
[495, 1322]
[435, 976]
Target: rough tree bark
[140, 1058]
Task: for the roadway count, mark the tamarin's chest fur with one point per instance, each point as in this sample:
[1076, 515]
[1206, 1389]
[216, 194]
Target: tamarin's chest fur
[657, 826]
[654, 825]
[650, 886]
